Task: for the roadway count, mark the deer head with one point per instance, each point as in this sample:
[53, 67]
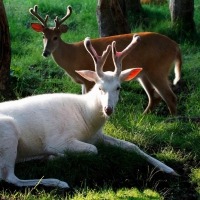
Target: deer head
[108, 83]
[51, 35]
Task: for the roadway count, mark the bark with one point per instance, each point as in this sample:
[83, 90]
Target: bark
[182, 15]
[104, 18]
[5, 56]
[118, 12]
[111, 17]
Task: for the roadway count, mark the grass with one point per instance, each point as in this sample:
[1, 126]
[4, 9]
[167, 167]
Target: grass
[113, 173]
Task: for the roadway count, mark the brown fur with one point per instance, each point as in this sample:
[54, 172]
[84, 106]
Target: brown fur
[153, 1]
[155, 54]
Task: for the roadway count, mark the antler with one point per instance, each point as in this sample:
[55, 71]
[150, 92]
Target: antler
[57, 22]
[98, 60]
[33, 11]
[119, 56]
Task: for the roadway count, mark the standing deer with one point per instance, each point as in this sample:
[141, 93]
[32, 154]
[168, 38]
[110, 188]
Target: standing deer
[48, 125]
[154, 1]
[155, 55]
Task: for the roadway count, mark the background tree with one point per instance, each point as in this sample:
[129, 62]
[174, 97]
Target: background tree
[182, 16]
[112, 16]
[5, 56]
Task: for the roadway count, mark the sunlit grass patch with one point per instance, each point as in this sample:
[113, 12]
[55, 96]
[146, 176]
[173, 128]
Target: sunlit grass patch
[121, 194]
[195, 178]
[169, 154]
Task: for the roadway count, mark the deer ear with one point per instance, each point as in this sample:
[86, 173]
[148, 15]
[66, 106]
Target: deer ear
[37, 27]
[89, 75]
[129, 74]
[63, 28]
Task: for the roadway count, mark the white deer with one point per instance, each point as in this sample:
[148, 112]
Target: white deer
[48, 125]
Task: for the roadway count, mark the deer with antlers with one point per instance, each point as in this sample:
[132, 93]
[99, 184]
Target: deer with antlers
[155, 55]
[48, 125]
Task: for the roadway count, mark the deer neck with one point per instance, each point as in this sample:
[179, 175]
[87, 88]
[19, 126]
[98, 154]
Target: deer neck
[62, 53]
[67, 56]
[94, 110]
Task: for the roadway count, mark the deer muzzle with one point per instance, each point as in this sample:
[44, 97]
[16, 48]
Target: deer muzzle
[46, 53]
[108, 110]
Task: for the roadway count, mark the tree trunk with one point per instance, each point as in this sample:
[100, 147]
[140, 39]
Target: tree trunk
[5, 56]
[111, 17]
[118, 12]
[182, 13]
[133, 6]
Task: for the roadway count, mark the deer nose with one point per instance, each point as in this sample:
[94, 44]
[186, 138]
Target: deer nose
[45, 53]
[108, 110]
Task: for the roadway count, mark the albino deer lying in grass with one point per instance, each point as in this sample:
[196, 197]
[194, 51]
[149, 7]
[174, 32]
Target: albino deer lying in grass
[49, 124]
[155, 55]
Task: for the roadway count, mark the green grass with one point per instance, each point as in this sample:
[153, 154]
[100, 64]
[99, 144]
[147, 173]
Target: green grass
[113, 173]
[106, 194]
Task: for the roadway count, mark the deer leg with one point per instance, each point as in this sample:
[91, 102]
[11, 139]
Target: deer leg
[108, 140]
[153, 96]
[78, 146]
[162, 86]
[9, 136]
[8, 149]
[83, 89]
[70, 145]
[50, 182]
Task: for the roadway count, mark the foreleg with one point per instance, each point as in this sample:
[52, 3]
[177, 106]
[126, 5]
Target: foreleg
[108, 140]
[9, 136]
[75, 145]
[153, 96]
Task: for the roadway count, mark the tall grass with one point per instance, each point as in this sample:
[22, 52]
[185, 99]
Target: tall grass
[113, 173]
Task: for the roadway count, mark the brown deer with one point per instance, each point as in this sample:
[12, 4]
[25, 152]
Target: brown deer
[156, 54]
[153, 1]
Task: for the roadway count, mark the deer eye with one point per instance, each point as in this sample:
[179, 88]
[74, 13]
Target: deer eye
[43, 36]
[55, 38]
[118, 88]
[100, 88]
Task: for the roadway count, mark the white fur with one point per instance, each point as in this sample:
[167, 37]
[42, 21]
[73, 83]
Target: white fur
[50, 124]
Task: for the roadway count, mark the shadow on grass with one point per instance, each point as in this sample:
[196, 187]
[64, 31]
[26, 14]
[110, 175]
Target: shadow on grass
[111, 168]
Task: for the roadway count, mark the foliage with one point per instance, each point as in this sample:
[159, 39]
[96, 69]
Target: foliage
[195, 176]
[112, 173]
